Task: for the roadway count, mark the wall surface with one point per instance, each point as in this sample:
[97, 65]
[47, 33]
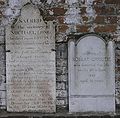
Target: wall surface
[73, 19]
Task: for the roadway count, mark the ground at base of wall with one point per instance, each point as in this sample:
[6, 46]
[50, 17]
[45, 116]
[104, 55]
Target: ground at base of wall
[58, 115]
[93, 116]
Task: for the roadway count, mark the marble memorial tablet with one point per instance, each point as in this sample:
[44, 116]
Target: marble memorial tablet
[91, 75]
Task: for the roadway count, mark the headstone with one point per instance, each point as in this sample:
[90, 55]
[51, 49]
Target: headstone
[30, 63]
[91, 75]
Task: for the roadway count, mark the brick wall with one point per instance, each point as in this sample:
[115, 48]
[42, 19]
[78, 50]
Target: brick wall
[72, 18]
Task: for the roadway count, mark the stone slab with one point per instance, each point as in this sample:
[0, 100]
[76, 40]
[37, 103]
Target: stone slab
[91, 75]
[30, 63]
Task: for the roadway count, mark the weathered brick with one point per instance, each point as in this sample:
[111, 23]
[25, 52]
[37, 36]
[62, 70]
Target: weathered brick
[61, 1]
[61, 63]
[59, 11]
[112, 19]
[60, 85]
[82, 28]
[61, 93]
[112, 1]
[61, 51]
[61, 70]
[60, 102]
[106, 28]
[50, 18]
[63, 28]
[60, 19]
[97, 2]
[61, 54]
[85, 19]
[103, 10]
[99, 19]
[2, 103]
[61, 46]
[83, 10]
[118, 77]
[62, 77]
[62, 109]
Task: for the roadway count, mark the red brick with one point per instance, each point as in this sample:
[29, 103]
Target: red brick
[62, 28]
[102, 10]
[85, 19]
[60, 19]
[106, 28]
[97, 2]
[82, 28]
[112, 19]
[99, 20]
[59, 11]
[112, 1]
[83, 10]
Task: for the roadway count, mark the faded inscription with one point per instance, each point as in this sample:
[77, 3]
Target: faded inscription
[91, 75]
[91, 64]
[30, 63]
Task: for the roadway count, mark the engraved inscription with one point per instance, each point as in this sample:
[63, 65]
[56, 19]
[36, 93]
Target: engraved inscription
[91, 64]
[91, 75]
[30, 64]
[91, 67]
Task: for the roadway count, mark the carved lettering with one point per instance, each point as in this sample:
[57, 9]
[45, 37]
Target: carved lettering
[31, 64]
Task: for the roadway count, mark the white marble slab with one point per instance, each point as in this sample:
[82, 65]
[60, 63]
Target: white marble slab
[91, 75]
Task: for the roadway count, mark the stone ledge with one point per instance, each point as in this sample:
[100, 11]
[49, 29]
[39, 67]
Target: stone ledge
[33, 116]
[58, 115]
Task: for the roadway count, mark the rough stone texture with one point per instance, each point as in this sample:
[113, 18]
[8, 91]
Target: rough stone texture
[61, 77]
[30, 63]
[2, 70]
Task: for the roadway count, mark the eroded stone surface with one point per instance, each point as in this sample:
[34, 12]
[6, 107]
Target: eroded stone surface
[30, 63]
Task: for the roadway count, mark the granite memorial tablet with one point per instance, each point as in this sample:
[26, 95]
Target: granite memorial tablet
[91, 75]
[30, 63]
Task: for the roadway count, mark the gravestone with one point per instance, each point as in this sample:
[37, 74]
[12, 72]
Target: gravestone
[30, 63]
[91, 75]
